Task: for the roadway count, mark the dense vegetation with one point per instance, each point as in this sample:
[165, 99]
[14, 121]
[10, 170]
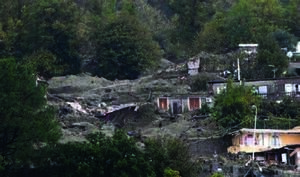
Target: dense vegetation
[27, 122]
[111, 157]
[120, 40]
[57, 37]
[233, 109]
[29, 132]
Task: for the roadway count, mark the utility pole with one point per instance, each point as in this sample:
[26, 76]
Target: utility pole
[239, 71]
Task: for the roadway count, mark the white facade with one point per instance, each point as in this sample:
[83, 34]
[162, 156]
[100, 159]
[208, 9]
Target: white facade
[193, 66]
[248, 48]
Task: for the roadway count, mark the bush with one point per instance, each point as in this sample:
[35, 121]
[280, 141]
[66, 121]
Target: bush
[217, 175]
[199, 82]
[171, 173]
[167, 152]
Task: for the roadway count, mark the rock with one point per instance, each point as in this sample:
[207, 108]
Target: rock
[63, 125]
[140, 146]
[66, 109]
[164, 63]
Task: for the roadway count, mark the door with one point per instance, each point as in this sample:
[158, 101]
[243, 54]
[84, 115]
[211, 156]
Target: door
[194, 103]
[163, 104]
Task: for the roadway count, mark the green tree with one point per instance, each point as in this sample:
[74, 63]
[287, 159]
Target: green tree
[26, 119]
[213, 36]
[189, 18]
[270, 59]
[217, 175]
[125, 49]
[232, 107]
[51, 26]
[43, 62]
[245, 22]
[168, 152]
[285, 39]
[171, 173]
[102, 156]
[292, 14]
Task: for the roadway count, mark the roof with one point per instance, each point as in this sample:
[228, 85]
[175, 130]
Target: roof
[295, 130]
[248, 45]
[255, 80]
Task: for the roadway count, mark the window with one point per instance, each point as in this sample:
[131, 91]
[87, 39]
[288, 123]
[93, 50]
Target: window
[249, 140]
[275, 140]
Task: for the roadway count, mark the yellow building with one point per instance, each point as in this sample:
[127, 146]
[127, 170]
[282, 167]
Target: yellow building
[265, 140]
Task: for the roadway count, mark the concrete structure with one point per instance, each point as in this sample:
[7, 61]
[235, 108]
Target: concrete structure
[248, 48]
[265, 139]
[180, 104]
[269, 145]
[193, 66]
[267, 88]
[297, 52]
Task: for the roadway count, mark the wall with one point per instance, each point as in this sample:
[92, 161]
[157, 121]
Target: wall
[193, 66]
[210, 146]
[290, 139]
[265, 141]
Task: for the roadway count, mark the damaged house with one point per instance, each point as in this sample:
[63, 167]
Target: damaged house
[270, 146]
[180, 104]
[193, 66]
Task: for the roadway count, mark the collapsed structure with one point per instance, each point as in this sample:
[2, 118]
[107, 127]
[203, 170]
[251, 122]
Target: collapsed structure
[268, 145]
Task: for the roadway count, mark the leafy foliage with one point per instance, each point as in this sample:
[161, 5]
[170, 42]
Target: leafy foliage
[115, 156]
[100, 156]
[166, 152]
[171, 173]
[217, 175]
[125, 49]
[232, 108]
[287, 108]
[270, 57]
[293, 17]
[199, 82]
[245, 22]
[189, 18]
[26, 120]
[51, 26]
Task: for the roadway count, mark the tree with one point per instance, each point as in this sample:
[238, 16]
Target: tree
[102, 156]
[169, 153]
[271, 60]
[125, 49]
[292, 14]
[232, 107]
[213, 36]
[171, 173]
[44, 63]
[26, 119]
[285, 40]
[245, 22]
[189, 18]
[51, 26]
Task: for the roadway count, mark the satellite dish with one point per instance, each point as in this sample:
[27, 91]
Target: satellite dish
[289, 54]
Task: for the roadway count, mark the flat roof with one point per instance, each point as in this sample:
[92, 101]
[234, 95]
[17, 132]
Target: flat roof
[291, 131]
[248, 45]
[256, 80]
